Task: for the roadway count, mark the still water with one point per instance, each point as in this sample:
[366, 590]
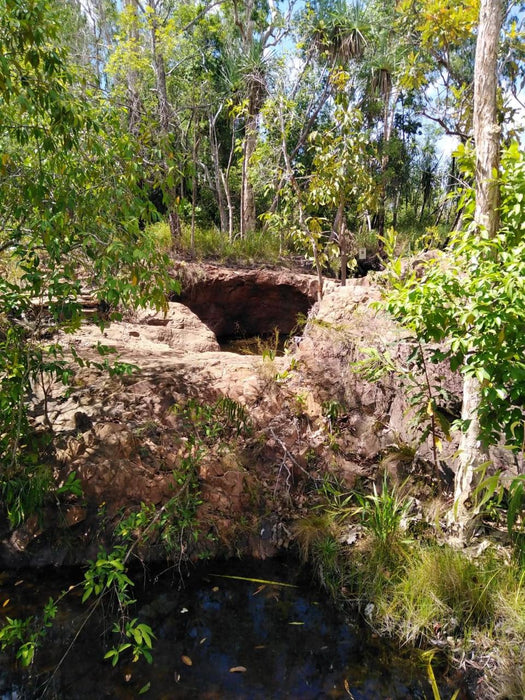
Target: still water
[218, 638]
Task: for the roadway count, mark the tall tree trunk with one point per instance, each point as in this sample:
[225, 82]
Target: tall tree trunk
[486, 139]
[248, 213]
[165, 119]
[133, 98]
[339, 233]
[217, 180]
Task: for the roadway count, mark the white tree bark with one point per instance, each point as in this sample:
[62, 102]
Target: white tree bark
[487, 143]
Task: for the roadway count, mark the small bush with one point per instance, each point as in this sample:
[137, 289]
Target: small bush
[384, 515]
[317, 537]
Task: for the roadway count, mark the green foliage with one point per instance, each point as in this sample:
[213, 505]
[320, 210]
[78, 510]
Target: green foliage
[384, 514]
[341, 172]
[140, 636]
[473, 298]
[27, 635]
[424, 394]
[63, 229]
[255, 246]
[440, 589]
[317, 537]
[108, 574]
[206, 423]
[491, 497]
[25, 492]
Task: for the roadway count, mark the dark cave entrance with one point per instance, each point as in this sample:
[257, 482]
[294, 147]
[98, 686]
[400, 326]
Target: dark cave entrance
[245, 311]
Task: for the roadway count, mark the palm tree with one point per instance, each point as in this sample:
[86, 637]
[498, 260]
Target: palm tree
[339, 31]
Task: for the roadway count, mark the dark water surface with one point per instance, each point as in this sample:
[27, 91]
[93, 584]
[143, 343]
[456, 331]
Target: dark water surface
[291, 643]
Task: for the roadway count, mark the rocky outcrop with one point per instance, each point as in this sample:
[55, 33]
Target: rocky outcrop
[240, 303]
[146, 404]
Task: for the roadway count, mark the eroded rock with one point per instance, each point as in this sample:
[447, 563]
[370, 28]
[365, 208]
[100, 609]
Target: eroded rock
[311, 414]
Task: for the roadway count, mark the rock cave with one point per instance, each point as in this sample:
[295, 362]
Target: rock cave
[255, 303]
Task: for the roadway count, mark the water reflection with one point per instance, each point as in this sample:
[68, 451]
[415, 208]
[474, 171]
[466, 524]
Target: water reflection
[284, 642]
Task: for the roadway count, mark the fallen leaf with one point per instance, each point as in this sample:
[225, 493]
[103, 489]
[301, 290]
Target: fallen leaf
[127, 677]
[261, 588]
[347, 688]
[296, 623]
[184, 610]
[6, 602]
[186, 660]
[256, 580]
[215, 589]
[145, 688]
[176, 677]
[238, 669]
[203, 640]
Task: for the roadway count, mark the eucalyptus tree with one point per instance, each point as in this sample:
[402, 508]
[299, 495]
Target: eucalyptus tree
[89, 29]
[471, 299]
[487, 137]
[439, 45]
[154, 67]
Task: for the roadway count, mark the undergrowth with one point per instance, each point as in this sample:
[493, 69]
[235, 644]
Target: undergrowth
[423, 593]
[210, 243]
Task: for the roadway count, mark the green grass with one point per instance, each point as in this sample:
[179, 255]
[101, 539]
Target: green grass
[441, 592]
[210, 243]
[421, 592]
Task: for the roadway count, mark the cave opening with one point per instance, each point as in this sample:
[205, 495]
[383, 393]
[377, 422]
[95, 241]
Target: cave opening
[248, 315]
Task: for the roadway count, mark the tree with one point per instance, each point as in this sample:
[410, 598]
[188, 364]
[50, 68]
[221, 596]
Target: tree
[486, 218]
[341, 179]
[472, 298]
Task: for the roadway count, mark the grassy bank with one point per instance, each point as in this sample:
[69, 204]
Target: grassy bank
[384, 554]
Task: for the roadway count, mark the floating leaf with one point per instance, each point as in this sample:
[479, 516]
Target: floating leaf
[238, 669]
[347, 688]
[256, 580]
[186, 660]
[145, 688]
[296, 623]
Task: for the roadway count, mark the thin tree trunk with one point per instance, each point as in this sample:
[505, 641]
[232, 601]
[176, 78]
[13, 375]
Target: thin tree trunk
[219, 189]
[227, 192]
[486, 139]
[133, 97]
[165, 116]
[194, 187]
[248, 214]
[340, 233]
